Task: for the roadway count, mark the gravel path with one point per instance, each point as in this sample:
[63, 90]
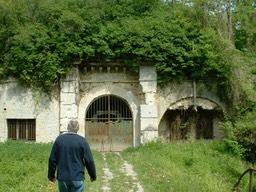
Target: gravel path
[127, 169]
[108, 175]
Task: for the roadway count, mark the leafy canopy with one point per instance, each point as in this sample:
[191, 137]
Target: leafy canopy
[40, 39]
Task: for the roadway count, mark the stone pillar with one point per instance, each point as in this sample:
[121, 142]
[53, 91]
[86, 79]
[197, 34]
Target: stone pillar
[69, 99]
[217, 131]
[148, 111]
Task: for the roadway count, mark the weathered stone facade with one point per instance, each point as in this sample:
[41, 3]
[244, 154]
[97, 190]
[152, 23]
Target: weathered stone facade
[17, 102]
[153, 111]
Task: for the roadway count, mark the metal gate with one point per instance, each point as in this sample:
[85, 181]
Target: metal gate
[108, 124]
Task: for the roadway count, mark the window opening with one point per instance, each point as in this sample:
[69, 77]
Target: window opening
[22, 129]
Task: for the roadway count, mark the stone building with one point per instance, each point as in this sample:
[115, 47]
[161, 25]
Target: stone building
[117, 108]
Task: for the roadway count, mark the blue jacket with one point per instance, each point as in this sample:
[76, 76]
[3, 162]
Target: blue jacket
[70, 155]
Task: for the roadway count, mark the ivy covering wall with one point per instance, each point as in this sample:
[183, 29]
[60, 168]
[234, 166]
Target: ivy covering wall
[39, 39]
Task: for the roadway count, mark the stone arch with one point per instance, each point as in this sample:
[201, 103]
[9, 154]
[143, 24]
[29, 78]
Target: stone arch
[127, 96]
[180, 99]
[190, 117]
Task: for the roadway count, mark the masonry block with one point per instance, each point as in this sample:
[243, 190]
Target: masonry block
[147, 73]
[68, 87]
[149, 135]
[148, 111]
[69, 111]
[148, 86]
[68, 98]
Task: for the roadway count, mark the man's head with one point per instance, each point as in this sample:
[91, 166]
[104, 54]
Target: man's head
[73, 126]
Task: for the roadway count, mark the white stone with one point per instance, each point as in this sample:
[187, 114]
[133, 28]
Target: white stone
[68, 111]
[148, 136]
[149, 86]
[148, 111]
[147, 73]
[68, 87]
[19, 103]
[68, 98]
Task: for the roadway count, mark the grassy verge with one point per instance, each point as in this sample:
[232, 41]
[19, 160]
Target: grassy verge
[160, 167]
[181, 167]
[24, 168]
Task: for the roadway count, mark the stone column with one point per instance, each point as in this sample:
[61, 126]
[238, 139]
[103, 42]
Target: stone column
[148, 111]
[69, 99]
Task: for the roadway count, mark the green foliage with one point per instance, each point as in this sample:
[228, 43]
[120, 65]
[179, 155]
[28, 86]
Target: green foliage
[23, 166]
[206, 166]
[40, 39]
[245, 131]
[244, 25]
[240, 137]
[30, 61]
[231, 143]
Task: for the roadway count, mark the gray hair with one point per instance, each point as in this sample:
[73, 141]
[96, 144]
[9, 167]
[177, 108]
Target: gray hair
[73, 126]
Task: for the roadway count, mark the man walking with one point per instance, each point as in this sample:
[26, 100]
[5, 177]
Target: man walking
[70, 155]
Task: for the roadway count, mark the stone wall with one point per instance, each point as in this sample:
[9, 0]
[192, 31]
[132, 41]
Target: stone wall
[97, 81]
[69, 98]
[147, 101]
[148, 111]
[17, 102]
[187, 96]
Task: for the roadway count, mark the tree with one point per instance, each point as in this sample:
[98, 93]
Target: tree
[245, 24]
[41, 37]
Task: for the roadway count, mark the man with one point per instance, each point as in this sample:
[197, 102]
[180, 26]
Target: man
[70, 155]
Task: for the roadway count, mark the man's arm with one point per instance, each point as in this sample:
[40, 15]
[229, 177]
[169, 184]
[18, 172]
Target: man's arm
[89, 162]
[52, 164]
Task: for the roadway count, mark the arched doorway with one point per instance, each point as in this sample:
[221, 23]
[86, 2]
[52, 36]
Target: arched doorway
[108, 124]
[183, 124]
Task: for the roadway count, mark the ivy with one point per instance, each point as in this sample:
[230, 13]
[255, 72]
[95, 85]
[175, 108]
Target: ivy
[39, 38]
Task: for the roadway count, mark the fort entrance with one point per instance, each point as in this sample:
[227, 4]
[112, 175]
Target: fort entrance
[108, 124]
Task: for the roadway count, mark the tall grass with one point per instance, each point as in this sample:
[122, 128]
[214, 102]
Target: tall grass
[191, 166]
[23, 166]
[161, 167]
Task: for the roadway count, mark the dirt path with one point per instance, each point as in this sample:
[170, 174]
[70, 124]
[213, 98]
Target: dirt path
[127, 169]
[108, 175]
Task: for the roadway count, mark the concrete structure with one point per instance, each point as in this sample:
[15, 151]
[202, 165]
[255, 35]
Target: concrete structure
[151, 111]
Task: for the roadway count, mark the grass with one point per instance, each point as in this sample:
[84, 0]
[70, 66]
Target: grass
[23, 167]
[161, 167]
[198, 166]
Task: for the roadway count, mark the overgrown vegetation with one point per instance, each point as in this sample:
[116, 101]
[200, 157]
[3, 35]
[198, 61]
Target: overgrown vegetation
[40, 39]
[204, 166]
[184, 39]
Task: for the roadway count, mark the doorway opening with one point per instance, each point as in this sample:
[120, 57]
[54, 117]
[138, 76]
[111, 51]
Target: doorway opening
[185, 124]
[109, 124]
